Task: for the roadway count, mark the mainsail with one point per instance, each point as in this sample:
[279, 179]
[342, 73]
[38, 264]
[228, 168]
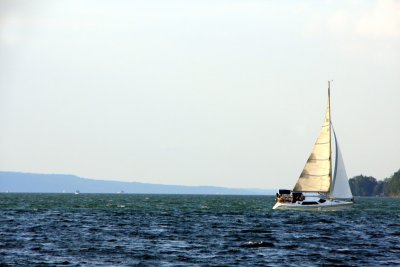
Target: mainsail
[340, 184]
[316, 175]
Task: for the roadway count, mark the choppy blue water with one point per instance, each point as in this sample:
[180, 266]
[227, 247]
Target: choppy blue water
[191, 230]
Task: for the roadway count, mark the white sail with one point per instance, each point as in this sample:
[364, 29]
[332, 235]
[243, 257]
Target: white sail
[316, 175]
[340, 184]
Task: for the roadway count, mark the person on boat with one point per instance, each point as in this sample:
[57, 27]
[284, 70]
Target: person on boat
[281, 198]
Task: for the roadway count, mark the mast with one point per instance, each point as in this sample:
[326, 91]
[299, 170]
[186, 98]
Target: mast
[330, 137]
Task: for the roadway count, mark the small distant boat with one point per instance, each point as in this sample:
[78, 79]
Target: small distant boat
[77, 192]
[320, 185]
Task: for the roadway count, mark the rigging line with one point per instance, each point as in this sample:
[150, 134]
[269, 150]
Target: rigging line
[336, 159]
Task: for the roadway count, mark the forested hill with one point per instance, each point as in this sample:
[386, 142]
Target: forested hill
[369, 186]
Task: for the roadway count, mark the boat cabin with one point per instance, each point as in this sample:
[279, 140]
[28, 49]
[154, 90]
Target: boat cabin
[313, 201]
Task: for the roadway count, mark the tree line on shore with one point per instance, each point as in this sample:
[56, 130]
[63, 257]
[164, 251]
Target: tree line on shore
[369, 186]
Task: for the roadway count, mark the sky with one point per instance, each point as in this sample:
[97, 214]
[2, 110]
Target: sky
[224, 93]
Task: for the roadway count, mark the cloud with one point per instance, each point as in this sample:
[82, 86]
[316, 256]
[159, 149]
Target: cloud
[380, 19]
[11, 30]
[383, 21]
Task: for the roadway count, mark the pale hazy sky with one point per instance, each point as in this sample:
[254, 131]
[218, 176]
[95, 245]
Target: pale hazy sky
[225, 93]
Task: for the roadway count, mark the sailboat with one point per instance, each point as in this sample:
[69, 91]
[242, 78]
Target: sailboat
[322, 184]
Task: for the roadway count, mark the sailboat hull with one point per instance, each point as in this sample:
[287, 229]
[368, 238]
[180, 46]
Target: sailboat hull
[305, 205]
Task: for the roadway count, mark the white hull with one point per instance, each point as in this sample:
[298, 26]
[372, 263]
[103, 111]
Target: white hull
[327, 205]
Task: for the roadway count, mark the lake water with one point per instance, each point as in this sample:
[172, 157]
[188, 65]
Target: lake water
[192, 230]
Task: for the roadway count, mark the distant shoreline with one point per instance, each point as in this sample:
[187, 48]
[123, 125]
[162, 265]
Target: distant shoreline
[61, 183]
[155, 194]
